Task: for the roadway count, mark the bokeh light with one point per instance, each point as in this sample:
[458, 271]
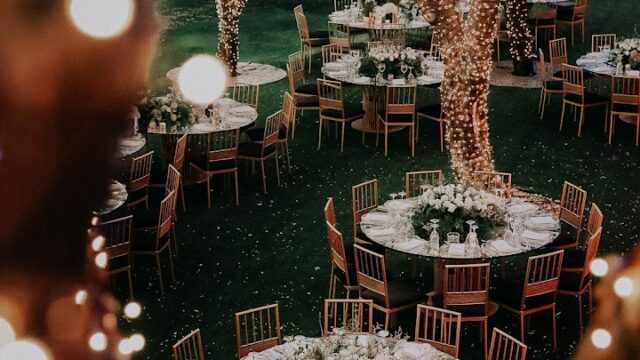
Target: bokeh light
[97, 243]
[202, 79]
[601, 338]
[132, 310]
[101, 260]
[125, 347]
[24, 349]
[80, 297]
[7, 334]
[623, 287]
[98, 341]
[101, 18]
[137, 342]
[599, 267]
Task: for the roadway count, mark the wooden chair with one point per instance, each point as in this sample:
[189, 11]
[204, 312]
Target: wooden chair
[538, 291]
[506, 347]
[434, 51]
[498, 183]
[439, 328]
[575, 278]
[342, 266]
[573, 16]
[388, 297]
[433, 112]
[599, 40]
[266, 149]
[305, 95]
[354, 315]
[189, 347]
[341, 4]
[400, 111]
[117, 233]
[330, 212]
[246, 94]
[544, 21]
[155, 242]
[139, 180]
[502, 34]
[557, 57]
[625, 104]
[333, 109]
[414, 180]
[364, 198]
[574, 94]
[309, 40]
[333, 53]
[258, 329]
[298, 9]
[566, 241]
[178, 162]
[288, 117]
[572, 204]
[549, 86]
[339, 35]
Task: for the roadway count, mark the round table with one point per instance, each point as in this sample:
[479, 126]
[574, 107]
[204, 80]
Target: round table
[116, 197]
[131, 145]
[402, 350]
[342, 18]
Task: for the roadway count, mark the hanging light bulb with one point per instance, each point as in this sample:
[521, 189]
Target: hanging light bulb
[202, 79]
[101, 19]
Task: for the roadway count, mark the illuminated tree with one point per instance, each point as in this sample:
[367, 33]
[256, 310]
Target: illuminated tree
[466, 46]
[228, 28]
[520, 36]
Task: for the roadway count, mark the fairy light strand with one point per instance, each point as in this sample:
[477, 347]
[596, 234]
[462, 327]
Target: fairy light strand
[519, 34]
[229, 12]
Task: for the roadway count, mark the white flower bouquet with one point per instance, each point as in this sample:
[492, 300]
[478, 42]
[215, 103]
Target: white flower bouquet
[392, 57]
[627, 52]
[170, 108]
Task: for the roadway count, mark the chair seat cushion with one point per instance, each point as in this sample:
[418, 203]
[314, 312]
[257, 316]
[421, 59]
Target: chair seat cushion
[308, 89]
[570, 281]
[257, 133]
[573, 258]
[316, 42]
[589, 98]
[322, 34]
[471, 310]
[625, 108]
[254, 150]
[400, 293]
[510, 294]
[118, 263]
[396, 118]
[433, 111]
[306, 101]
[554, 85]
[350, 113]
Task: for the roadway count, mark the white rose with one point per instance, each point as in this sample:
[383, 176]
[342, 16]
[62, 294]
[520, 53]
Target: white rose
[451, 208]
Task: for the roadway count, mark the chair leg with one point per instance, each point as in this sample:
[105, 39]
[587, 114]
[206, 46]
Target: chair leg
[485, 331]
[235, 176]
[553, 324]
[606, 117]
[544, 105]
[564, 105]
[611, 129]
[209, 192]
[386, 139]
[581, 121]
[580, 312]
[386, 321]
[286, 149]
[174, 240]
[413, 141]
[522, 318]
[637, 130]
[130, 283]
[173, 273]
[264, 178]
[277, 168]
[541, 101]
[160, 273]
[184, 205]
[320, 134]
[342, 138]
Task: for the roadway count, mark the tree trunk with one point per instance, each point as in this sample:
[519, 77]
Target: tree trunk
[228, 28]
[466, 46]
[520, 36]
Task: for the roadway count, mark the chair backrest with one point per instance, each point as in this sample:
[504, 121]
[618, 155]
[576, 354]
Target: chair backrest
[371, 272]
[506, 347]
[401, 100]
[333, 53]
[173, 180]
[391, 36]
[599, 40]
[595, 221]
[117, 234]
[573, 81]
[434, 51]
[165, 218]
[546, 18]
[593, 244]
[339, 35]
[303, 26]
[222, 146]
[572, 204]
[330, 95]
[247, 94]
[542, 277]
[258, 329]
[495, 182]
[271, 130]
[330, 212]
[542, 68]
[364, 198]
[415, 180]
[579, 10]
[625, 90]
[179, 154]
[140, 176]
[558, 53]
[438, 327]
[354, 315]
[189, 347]
[298, 9]
[466, 285]
[338, 253]
[341, 4]
[295, 70]
[288, 112]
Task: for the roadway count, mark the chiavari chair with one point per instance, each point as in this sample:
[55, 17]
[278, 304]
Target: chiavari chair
[549, 86]
[330, 212]
[341, 4]
[575, 95]
[506, 347]
[400, 111]
[599, 40]
[538, 293]
[415, 180]
[391, 36]
[465, 289]
[388, 297]
[178, 162]
[258, 329]
[139, 180]
[439, 328]
[593, 223]
[266, 149]
[502, 34]
[298, 9]
[305, 95]
[289, 110]
[365, 197]
[572, 204]
[432, 112]
[557, 57]
[342, 266]
[117, 233]
[339, 35]
[354, 315]
[575, 278]
[309, 40]
[189, 347]
[333, 108]
[498, 183]
[333, 53]
[434, 51]
[147, 219]
[246, 94]
[156, 242]
[572, 16]
[625, 104]
[174, 183]
[544, 21]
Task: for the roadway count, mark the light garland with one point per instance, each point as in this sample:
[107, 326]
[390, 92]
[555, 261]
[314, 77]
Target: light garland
[520, 36]
[466, 47]
[228, 29]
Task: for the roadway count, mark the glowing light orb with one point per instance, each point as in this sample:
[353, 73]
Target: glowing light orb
[202, 79]
[7, 334]
[137, 342]
[125, 347]
[623, 287]
[101, 19]
[599, 267]
[80, 297]
[24, 349]
[101, 260]
[98, 341]
[601, 338]
[97, 243]
[132, 310]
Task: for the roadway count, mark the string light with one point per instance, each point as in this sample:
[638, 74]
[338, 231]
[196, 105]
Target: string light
[80, 297]
[599, 267]
[101, 18]
[519, 34]
[601, 338]
[229, 12]
[202, 79]
[98, 342]
[132, 310]
[97, 243]
[623, 286]
[101, 260]
[7, 334]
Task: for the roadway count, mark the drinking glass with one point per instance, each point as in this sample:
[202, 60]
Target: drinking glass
[403, 69]
[402, 194]
[424, 65]
[411, 76]
[393, 196]
[453, 238]
[424, 188]
[381, 69]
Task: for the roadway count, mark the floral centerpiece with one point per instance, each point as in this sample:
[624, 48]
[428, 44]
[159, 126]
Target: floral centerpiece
[627, 52]
[390, 9]
[454, 204]
[393, 57]
[170, 109]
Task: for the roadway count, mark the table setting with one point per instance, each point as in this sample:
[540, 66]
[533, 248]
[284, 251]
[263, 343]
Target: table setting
[116, 197]
[370, 15]
[131, 144]
[622, 60]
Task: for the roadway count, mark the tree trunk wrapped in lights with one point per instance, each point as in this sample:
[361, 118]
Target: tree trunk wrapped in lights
[466, 47]
[228, 28]
[520, 36]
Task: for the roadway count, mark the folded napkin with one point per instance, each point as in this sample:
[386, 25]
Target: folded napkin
[362, 80]
[237, 120]
[131, 142]
[633, 73]
[542, 220]
[587, 61]
[334, 66]
[410, 244]
[398, 82]
[520, 208]
[503, 247]
[382, 232]
[376, 217]
[337, 74]
[595, 54]
[603, 69]
[534, 235]
[242, 109]
[456, 249]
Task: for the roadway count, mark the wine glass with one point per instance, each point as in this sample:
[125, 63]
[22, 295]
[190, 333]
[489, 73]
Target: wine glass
[381, 68]
[403, 69]
[424, 188]
[411, 76]
[424, 65]
[402, 194]
[393, 196]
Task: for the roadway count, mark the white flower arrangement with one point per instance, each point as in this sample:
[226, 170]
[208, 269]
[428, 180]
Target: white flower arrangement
[627, 52]
[393, 53]
[452, 197]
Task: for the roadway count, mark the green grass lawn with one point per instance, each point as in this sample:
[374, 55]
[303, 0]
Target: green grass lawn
[272, 248]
